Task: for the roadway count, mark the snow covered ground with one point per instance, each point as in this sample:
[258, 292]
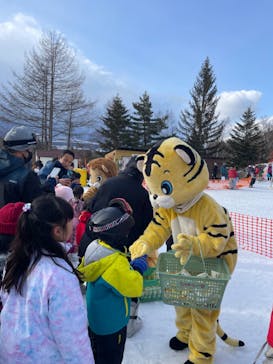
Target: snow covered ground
[246, 306]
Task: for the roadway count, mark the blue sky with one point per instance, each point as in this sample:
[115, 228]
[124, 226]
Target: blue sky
[127, 47]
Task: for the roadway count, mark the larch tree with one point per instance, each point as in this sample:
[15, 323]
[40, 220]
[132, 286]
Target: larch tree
[199, 124]
[48, 95]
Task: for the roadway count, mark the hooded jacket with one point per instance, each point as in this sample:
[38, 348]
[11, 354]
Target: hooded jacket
[17, 181]
[128, 185]
[111, 283]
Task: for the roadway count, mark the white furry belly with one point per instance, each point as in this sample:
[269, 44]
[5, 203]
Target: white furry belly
[183, 225]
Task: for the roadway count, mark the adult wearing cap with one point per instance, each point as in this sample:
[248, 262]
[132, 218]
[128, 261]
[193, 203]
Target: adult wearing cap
[17, 180]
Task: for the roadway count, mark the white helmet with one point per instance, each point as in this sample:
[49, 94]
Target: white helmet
[19, 138]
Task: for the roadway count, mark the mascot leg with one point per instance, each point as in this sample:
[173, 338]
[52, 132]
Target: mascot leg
[202, 340]
[183, 324]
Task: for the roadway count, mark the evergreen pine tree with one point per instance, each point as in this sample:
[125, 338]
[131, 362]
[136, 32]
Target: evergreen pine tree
[200, 125]
[145, 129]
[115, 132]
[246, 140]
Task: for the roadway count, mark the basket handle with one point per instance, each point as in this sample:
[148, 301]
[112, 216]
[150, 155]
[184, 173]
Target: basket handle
[201, 255]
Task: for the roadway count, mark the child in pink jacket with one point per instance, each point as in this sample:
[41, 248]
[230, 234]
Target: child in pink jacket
[39, 324]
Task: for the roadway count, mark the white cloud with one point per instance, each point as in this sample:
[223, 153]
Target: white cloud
[233, 104]
[102, 85]
[21, 32]
[17, 35]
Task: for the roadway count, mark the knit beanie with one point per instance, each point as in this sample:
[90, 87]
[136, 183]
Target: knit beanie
[9, 215]
[64, 192]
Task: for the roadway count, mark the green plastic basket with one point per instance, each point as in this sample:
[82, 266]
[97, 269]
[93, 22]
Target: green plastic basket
[192, 291]
[151, 286]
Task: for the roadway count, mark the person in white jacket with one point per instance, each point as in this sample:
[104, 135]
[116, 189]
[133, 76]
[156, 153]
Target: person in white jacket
[44, 318]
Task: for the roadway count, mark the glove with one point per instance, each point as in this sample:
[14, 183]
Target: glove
[140, 264]
[183, 247]
[138, 249]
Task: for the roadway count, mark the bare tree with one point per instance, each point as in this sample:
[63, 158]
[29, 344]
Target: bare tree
[48, 95]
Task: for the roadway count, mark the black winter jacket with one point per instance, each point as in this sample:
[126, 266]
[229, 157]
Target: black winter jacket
[127, 185]
[17, 181]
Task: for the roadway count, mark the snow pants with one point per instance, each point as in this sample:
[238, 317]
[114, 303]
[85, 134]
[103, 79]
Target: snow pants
[252, 181]
[198, 329]
[108, 349]
[232, 183]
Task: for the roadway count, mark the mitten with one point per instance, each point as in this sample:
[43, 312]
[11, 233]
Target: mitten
[138, 249]
[183, 247]
[140, 264]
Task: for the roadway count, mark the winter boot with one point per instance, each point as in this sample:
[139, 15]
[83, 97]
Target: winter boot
[176, 344]
[135, 322]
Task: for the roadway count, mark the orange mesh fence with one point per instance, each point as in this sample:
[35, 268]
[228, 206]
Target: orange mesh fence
[253, 233]
[223, 185]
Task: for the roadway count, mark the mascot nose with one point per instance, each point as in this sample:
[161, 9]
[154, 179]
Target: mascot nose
[155, 197]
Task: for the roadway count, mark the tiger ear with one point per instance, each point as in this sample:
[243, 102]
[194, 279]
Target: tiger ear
[186, 154]
[140, 162]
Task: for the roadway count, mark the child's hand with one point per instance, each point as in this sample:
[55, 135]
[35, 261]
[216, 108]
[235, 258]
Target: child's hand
[140, 264]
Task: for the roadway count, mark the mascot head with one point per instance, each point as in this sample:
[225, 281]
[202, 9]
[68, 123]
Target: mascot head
[174, 173]
[101, 169]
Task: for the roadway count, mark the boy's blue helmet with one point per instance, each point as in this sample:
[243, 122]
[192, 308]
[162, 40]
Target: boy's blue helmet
[113, 223]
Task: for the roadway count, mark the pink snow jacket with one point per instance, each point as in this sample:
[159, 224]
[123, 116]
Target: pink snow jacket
[48, 322]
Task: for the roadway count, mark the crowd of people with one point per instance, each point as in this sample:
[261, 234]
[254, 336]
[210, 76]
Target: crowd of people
[231, 174]
[46, 219]
[41, 288]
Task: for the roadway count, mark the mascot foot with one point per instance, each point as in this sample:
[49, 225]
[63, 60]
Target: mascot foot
[176, 344]
[188, 362]
[135, 322]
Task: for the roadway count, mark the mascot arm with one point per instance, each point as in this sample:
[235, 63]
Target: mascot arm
[212, 239]
[187, 244]
[90, 193]
[156, 233]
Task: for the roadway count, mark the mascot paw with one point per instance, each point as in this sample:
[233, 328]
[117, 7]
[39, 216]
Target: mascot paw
[138, 249]
[176, 344]
[183, 247]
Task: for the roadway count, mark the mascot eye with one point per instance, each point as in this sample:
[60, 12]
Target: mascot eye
[166, 187]
[99, 178]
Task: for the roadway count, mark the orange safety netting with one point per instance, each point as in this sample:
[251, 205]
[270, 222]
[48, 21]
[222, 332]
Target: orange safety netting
[223, 185]
[253, 233]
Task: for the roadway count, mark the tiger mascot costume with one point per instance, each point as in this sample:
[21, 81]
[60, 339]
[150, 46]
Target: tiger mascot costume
[176, 177]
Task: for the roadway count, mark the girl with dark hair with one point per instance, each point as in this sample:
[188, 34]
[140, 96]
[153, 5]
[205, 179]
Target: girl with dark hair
[43, 319]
